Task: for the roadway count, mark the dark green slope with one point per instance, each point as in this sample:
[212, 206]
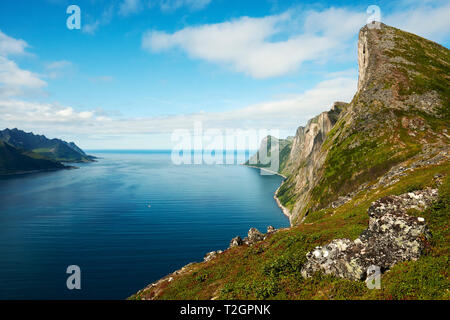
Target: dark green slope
[54, 149]
[13, 160]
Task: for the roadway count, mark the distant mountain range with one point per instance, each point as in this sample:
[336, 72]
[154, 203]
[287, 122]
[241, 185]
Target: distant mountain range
[22, 152]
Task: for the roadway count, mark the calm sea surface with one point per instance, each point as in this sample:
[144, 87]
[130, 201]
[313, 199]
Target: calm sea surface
[97, 217]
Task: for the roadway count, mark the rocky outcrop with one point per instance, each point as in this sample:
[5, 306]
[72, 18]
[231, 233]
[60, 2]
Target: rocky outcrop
[392, 236]
[253, 236]
[211, 255]
[236, 241]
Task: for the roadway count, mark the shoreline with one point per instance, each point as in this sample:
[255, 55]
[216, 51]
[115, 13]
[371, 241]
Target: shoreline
[264, 169]
[285, 210]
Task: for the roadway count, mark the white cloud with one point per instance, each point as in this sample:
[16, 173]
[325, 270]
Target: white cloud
[247, 45]
[16, 113]
[286, 113]
[128, 7]
[58, 64]
[101, 79]
[425, 19]
[105, 18]
[58, 69]
[10, 45]
[172, 5]
[15, 81]
[278, 44]
[334, 22]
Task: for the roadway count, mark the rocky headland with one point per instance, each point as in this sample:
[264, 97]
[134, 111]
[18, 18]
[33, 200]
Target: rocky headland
[366, 184]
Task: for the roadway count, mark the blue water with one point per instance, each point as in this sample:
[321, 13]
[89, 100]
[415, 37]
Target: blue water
[97, 217]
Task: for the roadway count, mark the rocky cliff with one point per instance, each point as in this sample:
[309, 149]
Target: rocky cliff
[366, 185]
[400, 110]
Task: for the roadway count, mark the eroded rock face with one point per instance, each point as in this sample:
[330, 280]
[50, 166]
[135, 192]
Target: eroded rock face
[392, 236]
[363, 57]
[388, 63]
[307, 157]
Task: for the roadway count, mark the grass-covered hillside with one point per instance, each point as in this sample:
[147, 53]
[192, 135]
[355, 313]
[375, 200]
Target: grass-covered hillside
[54, 149]
[13, 160]
[271, 268]
[401, 109]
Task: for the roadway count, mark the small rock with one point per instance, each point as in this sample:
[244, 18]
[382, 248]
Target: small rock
[253, 236]
[270, 229]
[211, 255]
[236, 241]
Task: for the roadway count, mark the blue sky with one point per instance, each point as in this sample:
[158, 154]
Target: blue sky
[138, 70]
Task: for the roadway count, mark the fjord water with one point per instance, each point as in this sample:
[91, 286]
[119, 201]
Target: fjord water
[98, 217]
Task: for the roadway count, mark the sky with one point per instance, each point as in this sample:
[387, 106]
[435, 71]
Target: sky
[138, 70]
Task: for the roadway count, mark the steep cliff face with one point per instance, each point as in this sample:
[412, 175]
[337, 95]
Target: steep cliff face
[401, 106]
[308, 139]
[304, 159]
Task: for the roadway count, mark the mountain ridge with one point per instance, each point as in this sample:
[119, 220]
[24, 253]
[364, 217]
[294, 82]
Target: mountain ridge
[349, 176]
[55, 149]
[15, 161]
[395, 95]
[22, 152]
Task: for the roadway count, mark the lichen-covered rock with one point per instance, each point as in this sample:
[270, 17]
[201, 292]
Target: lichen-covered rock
[270, 229]
[253, 236]
[392, 236]
[211, 255]
[236, 241]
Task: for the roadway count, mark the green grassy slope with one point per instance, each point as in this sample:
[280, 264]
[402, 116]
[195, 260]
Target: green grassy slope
[271, 268]
[54, 149]
[13, 160]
